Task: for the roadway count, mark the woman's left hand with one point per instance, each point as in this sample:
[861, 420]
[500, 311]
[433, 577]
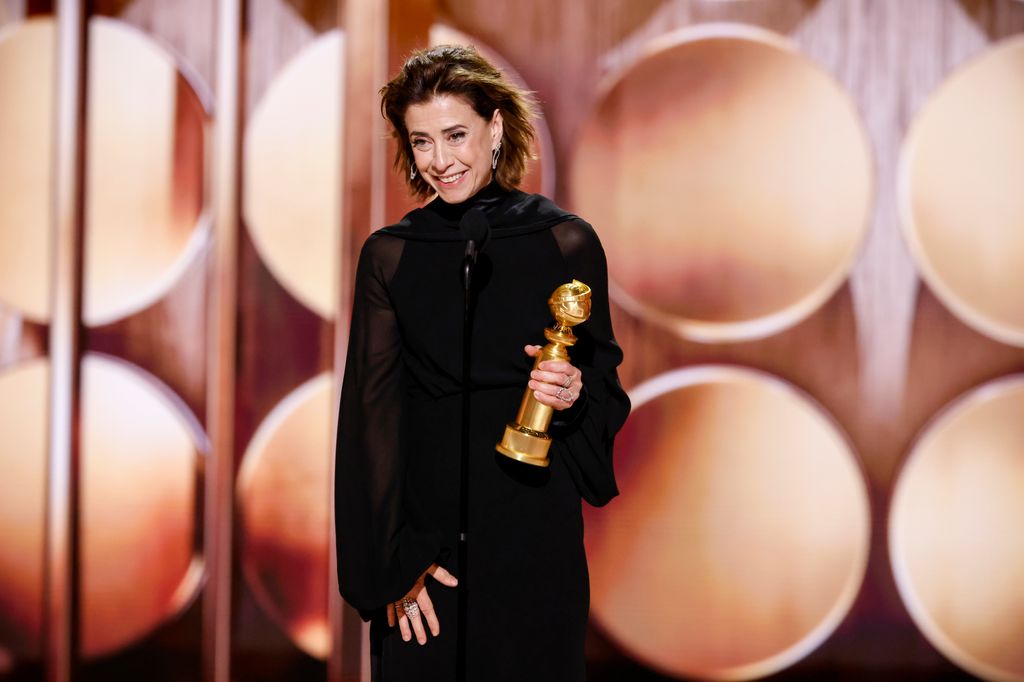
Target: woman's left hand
[555, 383]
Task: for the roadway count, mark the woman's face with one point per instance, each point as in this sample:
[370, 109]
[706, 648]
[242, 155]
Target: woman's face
[451, 145]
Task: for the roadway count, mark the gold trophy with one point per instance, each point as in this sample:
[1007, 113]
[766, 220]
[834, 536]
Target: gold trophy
[526, 439]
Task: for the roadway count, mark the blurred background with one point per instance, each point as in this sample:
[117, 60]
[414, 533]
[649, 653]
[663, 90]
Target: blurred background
[813, 212]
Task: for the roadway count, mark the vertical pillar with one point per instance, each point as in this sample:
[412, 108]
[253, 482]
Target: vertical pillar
[61, 600]
[221, 378]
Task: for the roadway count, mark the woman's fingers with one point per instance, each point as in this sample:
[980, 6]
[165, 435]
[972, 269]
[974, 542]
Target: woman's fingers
[555, 397]
[410, 621]
[557, 367]
[403, 623]
[565, 378]
[427, 609]
[554, 403]
[556, 383]
[417, 626]
[442, 576]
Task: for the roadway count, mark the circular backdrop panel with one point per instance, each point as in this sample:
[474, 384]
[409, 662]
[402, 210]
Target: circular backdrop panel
[292, 183]
[962, 192]
[955, 538]
[730, 179]
[284, 491]
[144, 170]
[741, 536]
[140, 563]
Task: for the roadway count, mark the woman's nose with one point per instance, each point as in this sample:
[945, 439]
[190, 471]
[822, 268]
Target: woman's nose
[442, 159]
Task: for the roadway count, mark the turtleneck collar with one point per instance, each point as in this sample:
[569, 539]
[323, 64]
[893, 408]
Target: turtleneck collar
[487, 199]
[510, 213]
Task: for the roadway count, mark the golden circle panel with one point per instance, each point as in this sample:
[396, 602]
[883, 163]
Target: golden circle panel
[139, 562]
[954, 531]
[139, 479]
[144, 170]
[26, 135]
[23, 400]
[284, 487]
[730, 179]
[292, 190]
[741, 536]
[960, 192]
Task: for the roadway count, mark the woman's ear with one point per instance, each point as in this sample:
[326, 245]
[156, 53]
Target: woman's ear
[497, 128]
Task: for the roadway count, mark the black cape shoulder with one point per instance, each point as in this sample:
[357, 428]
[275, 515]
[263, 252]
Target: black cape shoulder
[510, 213]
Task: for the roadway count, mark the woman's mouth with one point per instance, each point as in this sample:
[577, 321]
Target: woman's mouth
[450, 179]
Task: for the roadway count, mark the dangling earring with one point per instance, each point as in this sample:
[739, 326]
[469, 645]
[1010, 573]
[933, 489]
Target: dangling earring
[412, 172]
[494, 155]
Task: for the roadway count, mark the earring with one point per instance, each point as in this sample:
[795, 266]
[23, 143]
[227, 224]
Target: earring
[412, 172]
[494, 155]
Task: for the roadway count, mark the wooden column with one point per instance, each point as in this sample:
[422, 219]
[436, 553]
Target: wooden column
[221, 378]
[61, 608]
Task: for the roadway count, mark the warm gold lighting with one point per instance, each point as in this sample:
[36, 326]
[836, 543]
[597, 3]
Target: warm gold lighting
[961, 195]
[284, 488]
[955, 536]
[741, 536]
[27, 87]
[730, 179]
[292, 191]
[144, 175]
[139, 474]
[23, 400]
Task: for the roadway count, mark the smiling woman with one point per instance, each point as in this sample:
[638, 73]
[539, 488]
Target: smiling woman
[446, 98]
[464, 134]
[453, 148]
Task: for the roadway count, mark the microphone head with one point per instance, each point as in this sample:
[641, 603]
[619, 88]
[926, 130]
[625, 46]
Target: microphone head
[475, 227]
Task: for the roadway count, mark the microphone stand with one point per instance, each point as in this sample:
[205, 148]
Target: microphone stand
[468, 264]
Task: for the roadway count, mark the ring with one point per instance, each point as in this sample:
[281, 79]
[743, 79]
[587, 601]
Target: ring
[411, 608]
[568, 398]
[568, 381]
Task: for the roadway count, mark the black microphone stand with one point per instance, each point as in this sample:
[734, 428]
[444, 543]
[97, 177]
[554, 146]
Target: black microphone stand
[475, 230]
[468, 265]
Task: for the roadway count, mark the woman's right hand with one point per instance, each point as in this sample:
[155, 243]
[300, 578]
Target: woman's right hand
[412, 622]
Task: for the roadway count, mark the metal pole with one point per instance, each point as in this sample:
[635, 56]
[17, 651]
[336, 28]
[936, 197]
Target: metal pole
[223, 304]
[61, 602]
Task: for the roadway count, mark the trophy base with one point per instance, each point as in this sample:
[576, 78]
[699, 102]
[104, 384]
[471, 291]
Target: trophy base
[524, 445]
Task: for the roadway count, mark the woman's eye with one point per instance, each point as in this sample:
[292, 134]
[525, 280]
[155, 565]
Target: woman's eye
[420, 144]
[458, 136]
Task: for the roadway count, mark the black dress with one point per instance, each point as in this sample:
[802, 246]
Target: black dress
[398, 449]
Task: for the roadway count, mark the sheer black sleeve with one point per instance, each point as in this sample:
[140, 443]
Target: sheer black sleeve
[381, 548]
[585, 436]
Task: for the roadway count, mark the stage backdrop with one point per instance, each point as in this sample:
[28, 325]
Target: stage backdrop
[813, 212]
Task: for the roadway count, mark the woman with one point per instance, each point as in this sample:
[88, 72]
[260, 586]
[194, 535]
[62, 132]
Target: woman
[463, 134]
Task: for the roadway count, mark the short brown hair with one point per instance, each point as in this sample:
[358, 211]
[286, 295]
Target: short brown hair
[460, 70]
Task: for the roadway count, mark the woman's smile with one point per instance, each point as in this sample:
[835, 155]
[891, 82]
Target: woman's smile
[452, 179]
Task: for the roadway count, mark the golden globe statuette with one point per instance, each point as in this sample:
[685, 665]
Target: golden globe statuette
[526, 439]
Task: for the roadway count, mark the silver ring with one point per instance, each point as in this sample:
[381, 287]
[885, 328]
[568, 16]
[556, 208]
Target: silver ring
[567, 398]
[411, 608]
[568, 381]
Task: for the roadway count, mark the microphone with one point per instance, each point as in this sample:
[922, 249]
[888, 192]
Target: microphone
[476, 230]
